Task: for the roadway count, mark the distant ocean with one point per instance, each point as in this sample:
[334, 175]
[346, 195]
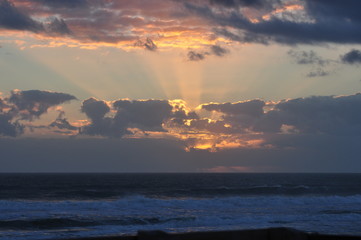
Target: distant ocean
[55, 206]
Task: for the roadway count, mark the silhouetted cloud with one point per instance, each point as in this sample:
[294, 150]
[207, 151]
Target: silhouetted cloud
[196, 56]
[312, 115]
[148, 44]
[33, 103]
[58, 26]
[252, 107]
[352, 57]
[218, 50]
[8, 128]
[325, 21]
[62, 123]
[246, 124]
[319, 72]
[237, 3]
[170, 22]
[310, 57]
[12, 18]
[147, 115]
[27, 106]
[63, 3]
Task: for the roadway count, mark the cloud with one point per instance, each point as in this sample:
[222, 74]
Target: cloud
[8, 128]
[312, 115]
[27, 106]
[252, 107]
[310, 57]
[62, 123]
[148, 44]
[319, 72]
[196, 56]
[215, 50]
[246, 124]
[313, 22]
[296, 153]
[333, 9]
[237, 3]
[33, 103]
[147, 115]
[12, 18]
[315, 115]
[203, 24]
[218, 50]
[63, 3]
[95, 109]
[58, 26]
[100, 125]
[352, 57]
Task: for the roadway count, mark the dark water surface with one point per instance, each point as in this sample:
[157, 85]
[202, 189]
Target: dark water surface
[46, 206]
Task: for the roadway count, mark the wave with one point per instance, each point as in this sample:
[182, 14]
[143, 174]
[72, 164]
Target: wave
[132, 213]
[54, 223]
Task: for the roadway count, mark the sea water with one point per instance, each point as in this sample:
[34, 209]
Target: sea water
[55, 206]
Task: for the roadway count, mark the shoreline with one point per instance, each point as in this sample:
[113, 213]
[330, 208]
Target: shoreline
[256, 234]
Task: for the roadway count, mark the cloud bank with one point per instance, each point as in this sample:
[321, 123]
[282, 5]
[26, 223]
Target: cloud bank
[252, 135]
[26, 106]
[211, 126]
[202, 24]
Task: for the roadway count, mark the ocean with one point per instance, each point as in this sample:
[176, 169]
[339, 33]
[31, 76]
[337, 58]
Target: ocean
[56, 206]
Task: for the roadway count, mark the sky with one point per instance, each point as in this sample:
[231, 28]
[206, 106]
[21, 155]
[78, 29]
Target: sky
[180, 86]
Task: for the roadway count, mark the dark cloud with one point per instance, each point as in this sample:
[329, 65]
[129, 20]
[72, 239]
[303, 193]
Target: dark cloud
[58, 26]
[252, 107]
[300, 153]
[62, 123]
[235, 3]
[28, 105]
[33, 103]
[218, 50]
[12, 18]
[95, 109]
[325, 10]
[239, 116]
[255, 21]
[148, 115]
[352, 57]
[100, 125]
[315, 115]
[310, 57]
[328, 22]
[318, 72]
[312, 115]
[8, 128]
[180, 116]
[196, 56]
[63, 3]
[148, 44]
